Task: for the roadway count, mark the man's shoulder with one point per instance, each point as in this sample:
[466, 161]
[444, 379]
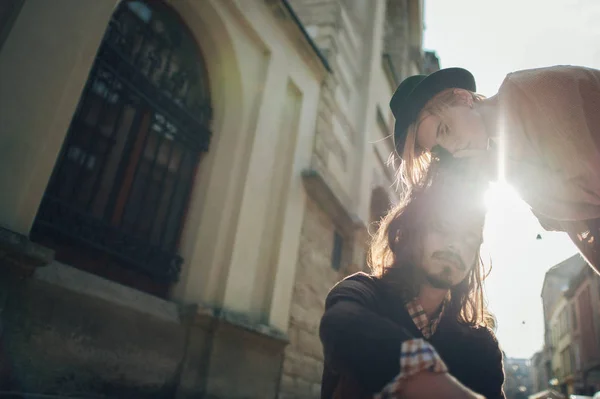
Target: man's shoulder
[481, 338]
[360, 277]
[359, 286]
[485, 334]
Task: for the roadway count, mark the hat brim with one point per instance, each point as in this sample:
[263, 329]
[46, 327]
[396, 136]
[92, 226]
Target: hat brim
[408, 111]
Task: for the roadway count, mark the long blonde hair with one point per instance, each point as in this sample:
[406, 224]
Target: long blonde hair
[415, 162]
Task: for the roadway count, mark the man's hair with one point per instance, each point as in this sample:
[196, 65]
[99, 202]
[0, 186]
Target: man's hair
[398, 241]
[415, 161]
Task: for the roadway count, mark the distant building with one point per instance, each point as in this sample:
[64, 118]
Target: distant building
[540, 374]
[584, 295]
[558, 360]
[518, 383]
[563, 354]
[431, 62]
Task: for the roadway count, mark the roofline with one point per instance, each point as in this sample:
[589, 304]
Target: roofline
[310, 41]
[554, 268]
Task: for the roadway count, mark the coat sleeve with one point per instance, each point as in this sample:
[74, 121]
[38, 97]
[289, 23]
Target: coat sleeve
[553, 126]
[491, 374]
[552, 129]
[357, 340]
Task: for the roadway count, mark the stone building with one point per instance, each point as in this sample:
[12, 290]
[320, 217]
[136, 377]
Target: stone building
[563, 354]
[183, 181]
[584, 301]
[558, 359]
[539, 374]
[518, 382]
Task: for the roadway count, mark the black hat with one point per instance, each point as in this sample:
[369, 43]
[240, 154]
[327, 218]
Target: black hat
[415, 91]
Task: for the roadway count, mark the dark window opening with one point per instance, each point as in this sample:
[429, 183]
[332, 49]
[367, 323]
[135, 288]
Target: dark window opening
[116, 200]
[336, 254]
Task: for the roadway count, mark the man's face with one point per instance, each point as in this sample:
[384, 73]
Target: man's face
[450, 248]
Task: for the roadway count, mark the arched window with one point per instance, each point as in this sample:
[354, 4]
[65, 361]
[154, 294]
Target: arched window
[122, 181]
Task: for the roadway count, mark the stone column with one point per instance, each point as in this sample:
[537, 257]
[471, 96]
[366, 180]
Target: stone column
[42, 73]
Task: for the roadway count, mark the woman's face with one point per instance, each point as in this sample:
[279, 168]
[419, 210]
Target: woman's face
[461, 130]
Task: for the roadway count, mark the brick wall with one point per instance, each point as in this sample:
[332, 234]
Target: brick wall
[303, 364]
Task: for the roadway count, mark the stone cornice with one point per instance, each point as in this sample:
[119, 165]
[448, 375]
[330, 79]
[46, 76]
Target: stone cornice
[21, 255]
[322, 193]
[285, 10]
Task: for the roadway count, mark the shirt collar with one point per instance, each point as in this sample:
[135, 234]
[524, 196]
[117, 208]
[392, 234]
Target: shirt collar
[419, 317]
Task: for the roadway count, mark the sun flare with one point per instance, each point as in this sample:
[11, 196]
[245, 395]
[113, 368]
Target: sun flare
[499, 196]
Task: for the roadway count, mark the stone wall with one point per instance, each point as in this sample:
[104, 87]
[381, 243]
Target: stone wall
[303, 364]
[339, 39]
[72, 341]
[66, 332]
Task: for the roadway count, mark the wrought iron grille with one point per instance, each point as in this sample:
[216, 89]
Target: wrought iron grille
[123, 178]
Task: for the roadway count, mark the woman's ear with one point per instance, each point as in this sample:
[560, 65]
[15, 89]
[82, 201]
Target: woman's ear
[464, 97]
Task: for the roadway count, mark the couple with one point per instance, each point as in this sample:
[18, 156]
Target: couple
[417, 327]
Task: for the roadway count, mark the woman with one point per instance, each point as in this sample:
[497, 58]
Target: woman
[541, 131]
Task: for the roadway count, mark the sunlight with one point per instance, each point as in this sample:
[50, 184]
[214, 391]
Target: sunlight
[519, 262]
[501, 195]
[520, 252]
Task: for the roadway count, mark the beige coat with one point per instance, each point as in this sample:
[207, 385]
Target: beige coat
[551, 123]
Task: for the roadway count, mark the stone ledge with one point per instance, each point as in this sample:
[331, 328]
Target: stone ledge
[203, 315]
[241, 321]
[318, 188]
[62, 341]
[17, 251]
[88, 284]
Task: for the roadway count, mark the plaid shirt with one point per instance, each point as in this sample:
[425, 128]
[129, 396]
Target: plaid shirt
[419, 317]
[416, 355]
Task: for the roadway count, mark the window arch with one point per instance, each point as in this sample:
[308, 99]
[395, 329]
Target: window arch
[121, 184]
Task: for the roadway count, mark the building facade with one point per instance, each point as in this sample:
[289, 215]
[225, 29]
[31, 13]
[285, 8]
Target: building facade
[182, 183]
[557, 366]
[518, 383]
[539, 373]
[563, 356]
[584, 293]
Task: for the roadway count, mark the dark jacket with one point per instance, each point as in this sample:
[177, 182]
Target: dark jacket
[362, 331]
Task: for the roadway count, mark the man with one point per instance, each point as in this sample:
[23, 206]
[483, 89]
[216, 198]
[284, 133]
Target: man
[542, 129]
[416, 327]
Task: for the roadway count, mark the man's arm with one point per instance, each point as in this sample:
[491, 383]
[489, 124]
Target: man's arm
[362, 344]
[358, 341]
[492, 371]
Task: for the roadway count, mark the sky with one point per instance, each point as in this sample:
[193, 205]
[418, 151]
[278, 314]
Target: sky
[491, 39]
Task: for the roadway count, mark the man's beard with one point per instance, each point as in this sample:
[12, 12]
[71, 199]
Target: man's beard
[442, 280]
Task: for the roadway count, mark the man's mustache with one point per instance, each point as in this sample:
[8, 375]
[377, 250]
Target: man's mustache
[451, 257]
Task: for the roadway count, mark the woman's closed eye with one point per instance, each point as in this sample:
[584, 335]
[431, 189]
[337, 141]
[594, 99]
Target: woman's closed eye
[442, 130]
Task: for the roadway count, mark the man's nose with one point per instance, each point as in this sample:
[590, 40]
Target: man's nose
[456, 244]
[454, 241]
